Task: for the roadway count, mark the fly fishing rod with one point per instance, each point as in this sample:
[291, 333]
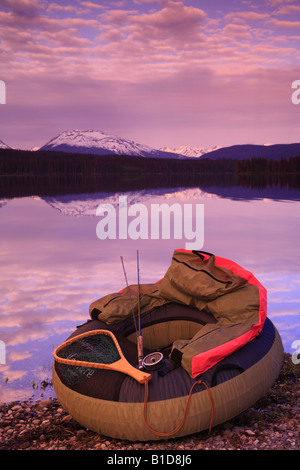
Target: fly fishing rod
[137, 328]
[128, 288]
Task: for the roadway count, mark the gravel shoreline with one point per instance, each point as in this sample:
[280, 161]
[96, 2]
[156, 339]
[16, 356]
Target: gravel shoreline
[272, 423]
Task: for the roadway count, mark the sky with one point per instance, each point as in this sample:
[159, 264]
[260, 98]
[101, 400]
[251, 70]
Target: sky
[163, 73]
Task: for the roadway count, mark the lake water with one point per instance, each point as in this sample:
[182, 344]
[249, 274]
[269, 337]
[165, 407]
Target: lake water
[53, 264]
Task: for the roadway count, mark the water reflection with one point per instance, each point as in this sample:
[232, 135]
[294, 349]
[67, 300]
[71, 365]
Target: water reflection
[53, 265]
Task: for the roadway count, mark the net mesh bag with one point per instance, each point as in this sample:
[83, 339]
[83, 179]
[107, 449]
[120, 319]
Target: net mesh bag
[93, 349]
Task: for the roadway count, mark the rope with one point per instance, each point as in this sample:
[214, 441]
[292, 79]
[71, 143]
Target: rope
[179, 426]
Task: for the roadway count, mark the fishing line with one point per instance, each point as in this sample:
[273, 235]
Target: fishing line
[140, 338]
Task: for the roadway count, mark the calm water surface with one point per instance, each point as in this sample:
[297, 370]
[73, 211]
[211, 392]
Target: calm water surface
[53, 265]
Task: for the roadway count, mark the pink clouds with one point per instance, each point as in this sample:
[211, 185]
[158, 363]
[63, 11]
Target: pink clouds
[287, 9]
[92, 5]
[245, 16]
[172, 24]
[173, 18]
[112, 56]
[174, 35]
[22, 7]
[286, 24]
[237, 31]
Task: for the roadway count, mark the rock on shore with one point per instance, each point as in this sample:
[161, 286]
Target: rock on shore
[272, 423]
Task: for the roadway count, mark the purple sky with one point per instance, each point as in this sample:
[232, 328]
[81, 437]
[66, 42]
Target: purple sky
[162, 73]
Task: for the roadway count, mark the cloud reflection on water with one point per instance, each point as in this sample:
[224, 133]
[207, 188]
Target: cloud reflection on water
[53, 267]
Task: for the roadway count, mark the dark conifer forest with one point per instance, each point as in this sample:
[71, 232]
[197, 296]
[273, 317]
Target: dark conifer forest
[30, 172]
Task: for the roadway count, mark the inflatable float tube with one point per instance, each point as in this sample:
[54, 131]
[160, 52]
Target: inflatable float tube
[115, 404]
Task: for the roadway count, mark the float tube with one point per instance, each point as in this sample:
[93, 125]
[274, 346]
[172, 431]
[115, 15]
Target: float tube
[210, 352]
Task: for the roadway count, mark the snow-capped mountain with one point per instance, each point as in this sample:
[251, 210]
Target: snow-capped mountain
[101, 143]
[187, 151]
[3, 145]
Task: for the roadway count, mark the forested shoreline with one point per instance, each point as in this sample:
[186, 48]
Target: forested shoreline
[25, 162]
[29, 172]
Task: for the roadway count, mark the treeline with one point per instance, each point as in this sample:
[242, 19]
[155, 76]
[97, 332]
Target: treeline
[18, 162]
[259, 173]
[51, 173]
[50, 164]
[22, 186]
[262, 165]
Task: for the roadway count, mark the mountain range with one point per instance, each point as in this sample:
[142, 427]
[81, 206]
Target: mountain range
[242, 152]
[188, 151]
[101, 143]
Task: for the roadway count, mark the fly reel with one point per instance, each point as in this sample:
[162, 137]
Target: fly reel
[153, 361]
